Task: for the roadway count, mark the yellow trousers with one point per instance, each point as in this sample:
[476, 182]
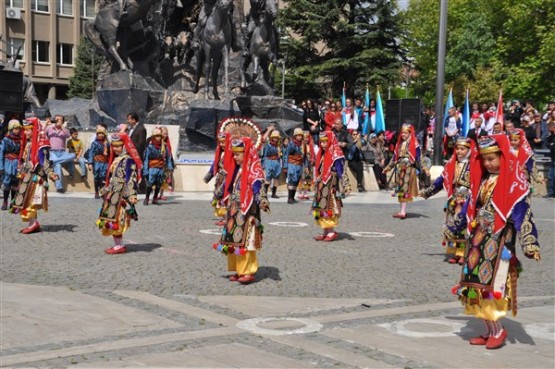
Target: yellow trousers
[243, 264]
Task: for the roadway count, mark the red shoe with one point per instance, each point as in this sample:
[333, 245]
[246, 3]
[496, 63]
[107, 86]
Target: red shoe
[452, 261]
[494, 343]
[331, 236]
[246, 279]
[220, 223]
[461, 261]
[319, 237]
[235, 278]
[111, 250]
[479, 341]
[32, 229]
[164, 198]
[400, 216]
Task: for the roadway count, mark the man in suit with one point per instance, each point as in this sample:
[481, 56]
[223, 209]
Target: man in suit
[137, 133]
[477, 132]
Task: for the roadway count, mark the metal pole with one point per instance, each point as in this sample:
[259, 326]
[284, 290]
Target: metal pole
[92, 82]
[440, 81]
[407, 82]
[283, 79]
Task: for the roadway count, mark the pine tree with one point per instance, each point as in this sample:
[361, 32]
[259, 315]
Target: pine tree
[81, 83]
[340, 41]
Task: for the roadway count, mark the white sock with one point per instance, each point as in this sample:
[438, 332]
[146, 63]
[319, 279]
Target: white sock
[118, 241]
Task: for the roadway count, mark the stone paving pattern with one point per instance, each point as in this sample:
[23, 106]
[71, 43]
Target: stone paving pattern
[170, 293]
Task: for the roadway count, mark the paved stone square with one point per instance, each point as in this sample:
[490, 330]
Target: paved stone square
[377, 297]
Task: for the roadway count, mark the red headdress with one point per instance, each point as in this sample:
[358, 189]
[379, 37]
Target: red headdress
[225, 136]
[329, 155]
[251, 170]
[130, 149]
[511, 186]
[525, 152]
[413, 144]
[449, 168]
[38, 141]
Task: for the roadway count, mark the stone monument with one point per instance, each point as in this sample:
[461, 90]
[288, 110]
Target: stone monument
[163, 61]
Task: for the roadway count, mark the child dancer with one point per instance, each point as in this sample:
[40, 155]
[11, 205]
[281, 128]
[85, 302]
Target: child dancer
[327, 204]
[498, 211]
[271, 161]
[98, 159]
[242, 233]
[168, 183]
[35, 170]
[305, 183]
[217, 169]
[455, 179]
[405, 159]
[10, 149]
[120, 193]
[155, 160]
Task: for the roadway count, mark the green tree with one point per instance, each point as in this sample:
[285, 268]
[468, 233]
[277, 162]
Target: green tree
[340, 41]
[491, 45]
[81, 83]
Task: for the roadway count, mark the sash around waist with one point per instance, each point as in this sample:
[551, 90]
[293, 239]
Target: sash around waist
[156, 163]
[101, 158]
[295, 159]
[273, 157]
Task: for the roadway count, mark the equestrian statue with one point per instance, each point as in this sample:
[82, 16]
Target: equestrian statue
[261, 42]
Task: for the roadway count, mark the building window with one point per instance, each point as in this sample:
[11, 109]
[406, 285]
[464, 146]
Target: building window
[64, 7]
[65, 54]
[39, 5]
[14, 4]
[41, 52]
[14, 44]
[87, 8]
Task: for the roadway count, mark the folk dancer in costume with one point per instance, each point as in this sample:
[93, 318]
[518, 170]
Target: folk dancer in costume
[242, 233]
[168, 182]
[97, 160]
[406, 158]
[520, 148]
[120, 193]
[10, 148]
[295, 159]
[498, 210]
[271, 161]
[155, 161]
[327, 204]
[35, 169]
[217, 170]
[455, 179]
[307, 175]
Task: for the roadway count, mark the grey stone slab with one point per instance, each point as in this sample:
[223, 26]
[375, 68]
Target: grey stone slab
[443, 341]
[35, 315]
[233, 355]
[258, 306]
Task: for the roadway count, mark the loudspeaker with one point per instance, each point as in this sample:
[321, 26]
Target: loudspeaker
[11, 90]
[399, 111]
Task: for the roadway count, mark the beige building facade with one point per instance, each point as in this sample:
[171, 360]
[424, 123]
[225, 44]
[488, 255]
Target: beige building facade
[46, 33]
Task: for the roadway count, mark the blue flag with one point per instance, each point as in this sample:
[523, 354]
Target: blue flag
[344, 103]
[466, 116]
[380, 122]
[367, 123]
[448, 104]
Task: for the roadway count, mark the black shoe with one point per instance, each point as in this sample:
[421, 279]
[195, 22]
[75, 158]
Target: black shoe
[361, 189]
[60, 190]
[274, 196]
[145, 202]
[4, 206]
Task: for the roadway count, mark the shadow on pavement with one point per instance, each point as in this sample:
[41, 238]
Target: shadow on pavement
[474, 327]
[58, 228]
[268, 272]
[143, 247]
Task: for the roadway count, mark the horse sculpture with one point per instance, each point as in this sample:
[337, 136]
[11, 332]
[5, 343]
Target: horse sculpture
[215, 46]
[262, 50]
[110, 28]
